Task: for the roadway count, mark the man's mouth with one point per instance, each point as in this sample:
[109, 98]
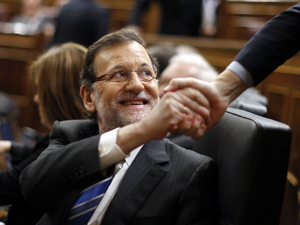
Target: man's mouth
[134, 102]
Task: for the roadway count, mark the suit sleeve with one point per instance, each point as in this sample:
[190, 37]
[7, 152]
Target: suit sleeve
[272, 45]
[19, 151]
[198, 202]
[61, 169]
[138, 11]
[10, 190]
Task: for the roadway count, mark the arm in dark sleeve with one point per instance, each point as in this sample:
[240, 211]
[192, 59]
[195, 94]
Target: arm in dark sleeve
[140, 8]
[19, 151]
[10, 190]
[62, 168]
[272, 45]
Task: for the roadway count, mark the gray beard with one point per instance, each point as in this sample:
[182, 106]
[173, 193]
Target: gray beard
[109, 119]
[115, 119]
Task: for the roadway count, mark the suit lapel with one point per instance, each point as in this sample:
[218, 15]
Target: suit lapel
[142, 177]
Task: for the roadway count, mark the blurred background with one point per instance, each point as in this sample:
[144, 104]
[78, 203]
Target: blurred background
[221, 29]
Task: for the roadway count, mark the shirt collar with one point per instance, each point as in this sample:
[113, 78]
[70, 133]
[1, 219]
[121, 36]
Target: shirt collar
[129, 159]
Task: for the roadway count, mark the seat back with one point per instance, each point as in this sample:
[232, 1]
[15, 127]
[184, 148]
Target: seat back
[252, 153]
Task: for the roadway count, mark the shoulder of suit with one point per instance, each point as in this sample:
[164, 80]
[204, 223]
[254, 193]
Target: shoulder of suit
[183, 153]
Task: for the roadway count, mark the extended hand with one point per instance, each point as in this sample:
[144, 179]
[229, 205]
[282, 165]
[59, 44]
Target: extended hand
[219, 93]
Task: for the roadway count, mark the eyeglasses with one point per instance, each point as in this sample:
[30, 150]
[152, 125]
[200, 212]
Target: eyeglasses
[123, 75]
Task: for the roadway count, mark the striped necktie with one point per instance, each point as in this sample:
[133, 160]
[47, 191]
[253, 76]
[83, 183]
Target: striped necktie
[87, 202]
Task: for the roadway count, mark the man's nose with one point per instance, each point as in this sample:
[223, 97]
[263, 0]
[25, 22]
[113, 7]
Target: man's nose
[134, 83]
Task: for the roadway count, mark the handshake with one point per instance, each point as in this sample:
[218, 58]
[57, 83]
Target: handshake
[191, 106]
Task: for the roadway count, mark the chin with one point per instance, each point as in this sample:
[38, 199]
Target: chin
[132, 119]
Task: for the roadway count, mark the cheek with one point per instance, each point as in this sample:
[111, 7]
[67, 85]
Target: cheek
[107, 91]
[153, 89]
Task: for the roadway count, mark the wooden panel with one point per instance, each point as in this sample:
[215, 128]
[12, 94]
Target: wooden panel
[294, 122]
[13, 7]
[278, 105]
[218, 52]
[240, 19]
[16, 52]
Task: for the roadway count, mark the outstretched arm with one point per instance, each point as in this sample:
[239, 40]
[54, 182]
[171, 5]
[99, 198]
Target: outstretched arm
[270, 47]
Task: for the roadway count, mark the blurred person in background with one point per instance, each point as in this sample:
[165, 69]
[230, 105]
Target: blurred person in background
[188, 18]
[33, 19]
[55, 76]
[82, 22]
[186, 65]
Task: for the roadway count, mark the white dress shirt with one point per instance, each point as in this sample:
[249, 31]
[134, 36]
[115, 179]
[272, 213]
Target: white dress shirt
[242, 73]
[110, 153]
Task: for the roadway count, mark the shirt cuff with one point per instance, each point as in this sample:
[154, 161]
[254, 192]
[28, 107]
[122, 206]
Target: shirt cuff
[241, 72]
[110, 153]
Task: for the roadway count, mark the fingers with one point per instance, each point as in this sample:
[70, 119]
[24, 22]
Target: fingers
[173, 129]
[185, 111]
[192, 101]
[180, 83]
[193, 126]
[196, 96]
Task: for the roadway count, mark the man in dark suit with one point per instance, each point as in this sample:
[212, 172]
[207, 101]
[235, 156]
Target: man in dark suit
[82, 22]
[270, 47]
[177, 17]
[159, 182]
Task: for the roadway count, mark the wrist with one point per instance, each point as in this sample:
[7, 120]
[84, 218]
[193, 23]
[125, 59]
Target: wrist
[131, 136]
[229, 85]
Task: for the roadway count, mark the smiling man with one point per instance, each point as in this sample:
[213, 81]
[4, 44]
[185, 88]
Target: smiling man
[159, 182]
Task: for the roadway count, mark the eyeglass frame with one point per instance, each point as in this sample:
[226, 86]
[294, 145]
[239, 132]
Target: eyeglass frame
[129, 72]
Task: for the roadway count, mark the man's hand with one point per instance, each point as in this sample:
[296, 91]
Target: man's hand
[219, 93]
[179, 111]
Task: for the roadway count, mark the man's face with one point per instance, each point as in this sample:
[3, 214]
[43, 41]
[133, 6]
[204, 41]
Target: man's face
[119, 104]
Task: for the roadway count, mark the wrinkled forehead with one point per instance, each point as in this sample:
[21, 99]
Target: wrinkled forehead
[130, 54]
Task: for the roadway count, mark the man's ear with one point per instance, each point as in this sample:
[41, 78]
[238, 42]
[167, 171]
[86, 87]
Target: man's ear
[88, 98]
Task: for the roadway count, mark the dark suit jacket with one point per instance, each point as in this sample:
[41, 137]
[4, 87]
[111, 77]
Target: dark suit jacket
[177, 17]
[21, 212]
[165, 184]
[182, 140]
[81, 21]
[272, 45]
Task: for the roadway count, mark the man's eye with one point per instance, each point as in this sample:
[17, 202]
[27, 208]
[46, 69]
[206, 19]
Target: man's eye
[118, 74]
[146, 73]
